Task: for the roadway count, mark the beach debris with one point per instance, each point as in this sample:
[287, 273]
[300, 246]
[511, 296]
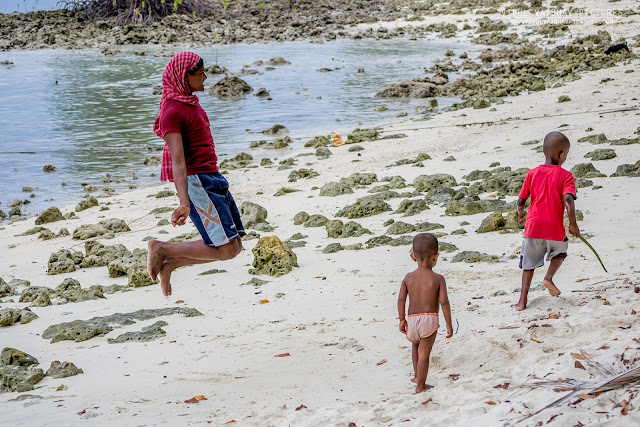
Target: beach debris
[336, 140]
[301, 407]
[594, 251]
[273, 257]
[49, 215]
[382, 362]
[11, 316]
[63, 370]
[334, 189]
[83, 330]
[282, 355]
[264, 301]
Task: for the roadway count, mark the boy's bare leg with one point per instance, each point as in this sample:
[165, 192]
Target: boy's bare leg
[527, 276]
[554, 265]
[414, 356]
[424, 352]
[170, 263]
[160, 251]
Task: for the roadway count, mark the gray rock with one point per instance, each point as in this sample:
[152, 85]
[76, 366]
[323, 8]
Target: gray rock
[302, 173]
[63, 370]
[400, 227]
[300, 218]
[411, 207]
[582, 169]
[276, 130]
[362, 135]
[13, 357]
[365, 206]
[316, 221]
[332, 248]
[334, 189]
[87, 203]
[359, 180]
[390, 241]
[83, 330]
[230, 87]
[424, 183]
[148, 333]
[323, 152]
[337, 229]
[473, 256]
[273, 257]
[18, 378]
[600, 138]
[601, 154]
[107, 227]
[49, 215]
[99, 255]
[5, 289]
[252, 214]
[318, 141]
[11, 316]
[64, 261]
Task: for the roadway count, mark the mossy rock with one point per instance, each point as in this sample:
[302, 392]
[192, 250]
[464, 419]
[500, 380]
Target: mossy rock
[87, 203]
[473, 257]
[563, 98]
[64, 261]
[411, 207]
[491, 223]
[364, 207]
[300, 218]
[477, 174]
[63, 370]
[49, 215]
[601, 154]
[11, 316]
[359, 180]
[600, 138]
[273, 257]
[302, 173]
[252, 214]
[582, 169]
[332, 248]
[337, 229]
[334, 189]
[424, 183]
[318, 141]
[108, 227]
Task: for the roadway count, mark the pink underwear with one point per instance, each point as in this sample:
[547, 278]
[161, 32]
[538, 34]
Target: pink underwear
[421, 325]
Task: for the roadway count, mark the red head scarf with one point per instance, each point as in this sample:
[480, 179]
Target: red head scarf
[175, 86]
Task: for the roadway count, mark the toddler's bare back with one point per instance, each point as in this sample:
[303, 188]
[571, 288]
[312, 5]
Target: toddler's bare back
[423, 287]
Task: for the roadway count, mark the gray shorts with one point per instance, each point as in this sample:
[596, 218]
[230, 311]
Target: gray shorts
[533, 252]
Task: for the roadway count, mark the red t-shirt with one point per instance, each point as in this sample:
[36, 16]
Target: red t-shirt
[547, 185]
[193, 124]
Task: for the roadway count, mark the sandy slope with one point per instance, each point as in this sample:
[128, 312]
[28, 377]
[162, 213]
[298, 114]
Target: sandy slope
[228, 355]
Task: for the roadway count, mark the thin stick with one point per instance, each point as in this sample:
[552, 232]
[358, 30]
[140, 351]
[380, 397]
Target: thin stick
[594, 251]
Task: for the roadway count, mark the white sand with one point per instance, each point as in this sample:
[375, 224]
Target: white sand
[228, 355]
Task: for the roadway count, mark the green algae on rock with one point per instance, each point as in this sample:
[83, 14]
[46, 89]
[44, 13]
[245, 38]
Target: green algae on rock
[334, 189]
[19, 378]
[64, 261]
[148, 333]
[473, 256]
[87, 203]
[601, 154]
[424, 183]
[337, 229]
[83, 330]
[302, 173]
[51, 214]
[400, 227]
[273, 257]
[11, 316]
[13, 357]
[411, 207]
[359, 180]
[105, 228]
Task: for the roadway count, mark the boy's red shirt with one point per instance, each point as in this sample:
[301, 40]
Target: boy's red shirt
[547, 185]
[192, 123]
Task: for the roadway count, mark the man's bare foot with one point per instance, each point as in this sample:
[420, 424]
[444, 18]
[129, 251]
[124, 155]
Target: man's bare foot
[521, 306]
[422, 387]
[551, 288]
[165, 281]
[154, 258]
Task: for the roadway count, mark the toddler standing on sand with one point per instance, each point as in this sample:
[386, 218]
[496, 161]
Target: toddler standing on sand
[551, 189]
[427, 291]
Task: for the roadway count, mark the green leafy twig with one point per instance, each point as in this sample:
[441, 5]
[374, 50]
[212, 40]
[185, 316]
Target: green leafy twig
[594, 251]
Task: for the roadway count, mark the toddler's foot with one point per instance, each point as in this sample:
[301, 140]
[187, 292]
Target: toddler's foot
[422, 387]
[165, 281]
[154, 258]
[551, 288]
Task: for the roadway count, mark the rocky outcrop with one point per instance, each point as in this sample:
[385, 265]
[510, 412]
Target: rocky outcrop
[51, 214]
[273, 257]
[230, 87]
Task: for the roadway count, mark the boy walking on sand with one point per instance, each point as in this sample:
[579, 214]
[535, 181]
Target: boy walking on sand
[552, 189]
[427, 292]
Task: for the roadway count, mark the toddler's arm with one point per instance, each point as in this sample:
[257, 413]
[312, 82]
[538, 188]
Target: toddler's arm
[443, 299]
[571, 212]
[402, 300]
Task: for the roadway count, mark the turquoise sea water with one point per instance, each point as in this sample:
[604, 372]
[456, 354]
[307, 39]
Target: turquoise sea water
[90, 114]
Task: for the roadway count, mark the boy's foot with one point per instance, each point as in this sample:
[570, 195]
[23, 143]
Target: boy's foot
[414, 380]
[422, 387]
[551, 288]
[165, 281]
[154, 259]
[521, 306]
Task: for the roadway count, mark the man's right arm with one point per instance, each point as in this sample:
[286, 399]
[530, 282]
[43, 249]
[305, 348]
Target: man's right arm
[179, 169]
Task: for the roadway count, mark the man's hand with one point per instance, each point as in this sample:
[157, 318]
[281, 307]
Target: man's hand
[574, 230]
[449, 331]
[179, 216]
[403, 326]
[521, 217]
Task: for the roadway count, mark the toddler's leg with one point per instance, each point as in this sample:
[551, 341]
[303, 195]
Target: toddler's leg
[554, 265]
[527, 276]
[424, 352]
[414, 356]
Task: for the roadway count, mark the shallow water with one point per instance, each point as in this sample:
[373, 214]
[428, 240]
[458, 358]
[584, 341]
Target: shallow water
[22, 6]
[90, 114]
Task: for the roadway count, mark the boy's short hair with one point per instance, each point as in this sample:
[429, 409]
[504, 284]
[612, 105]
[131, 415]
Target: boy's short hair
[555, 142]
[425, 245]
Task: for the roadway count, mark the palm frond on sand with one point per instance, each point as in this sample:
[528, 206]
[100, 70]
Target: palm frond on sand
[613, 381]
